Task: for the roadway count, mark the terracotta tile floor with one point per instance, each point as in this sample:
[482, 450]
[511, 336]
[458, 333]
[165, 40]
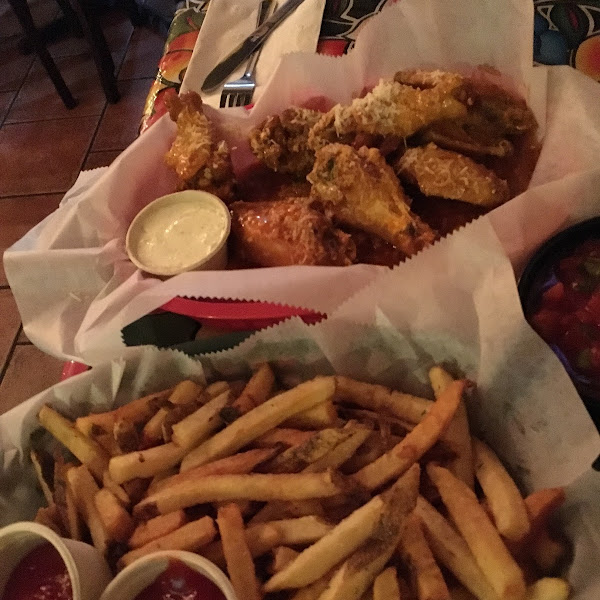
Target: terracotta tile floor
[43, 146]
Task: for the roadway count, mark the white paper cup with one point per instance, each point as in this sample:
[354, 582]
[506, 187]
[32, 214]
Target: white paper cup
[144, 571]
[206, 261]
[86, 567]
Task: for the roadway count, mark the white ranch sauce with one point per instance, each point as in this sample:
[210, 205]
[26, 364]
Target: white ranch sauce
[176, 236]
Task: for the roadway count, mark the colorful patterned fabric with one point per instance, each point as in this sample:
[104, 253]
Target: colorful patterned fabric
[565, 33]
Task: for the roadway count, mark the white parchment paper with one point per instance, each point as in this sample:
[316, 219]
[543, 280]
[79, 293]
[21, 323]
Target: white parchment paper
[95, 291]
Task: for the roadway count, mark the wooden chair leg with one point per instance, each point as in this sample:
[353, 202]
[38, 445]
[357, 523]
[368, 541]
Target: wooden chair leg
[100, 51]
[71, 17]
[26, 21]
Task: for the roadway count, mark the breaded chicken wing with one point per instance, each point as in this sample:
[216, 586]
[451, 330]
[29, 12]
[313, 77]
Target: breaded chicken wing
[451, 175]
[281, 141]
[392, 109]
[361, 190]
[288, 232]
[201, 161]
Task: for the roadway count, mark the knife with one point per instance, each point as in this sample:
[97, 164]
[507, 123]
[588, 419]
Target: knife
[227, 66]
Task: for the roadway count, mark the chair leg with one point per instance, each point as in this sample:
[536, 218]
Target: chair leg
[100, 51]
[71, 17]
[26, 21]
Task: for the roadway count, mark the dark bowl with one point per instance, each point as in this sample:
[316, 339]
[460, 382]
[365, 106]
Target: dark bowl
[538, 276]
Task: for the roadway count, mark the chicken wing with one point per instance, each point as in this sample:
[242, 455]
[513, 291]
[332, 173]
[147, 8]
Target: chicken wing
[451, 175]
[201, 161]
[361, 190]
[287, 232]
[281, 141]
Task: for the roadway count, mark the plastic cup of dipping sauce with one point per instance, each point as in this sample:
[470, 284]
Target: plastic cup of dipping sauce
[170, 575]
[37, 564]
[184, 231]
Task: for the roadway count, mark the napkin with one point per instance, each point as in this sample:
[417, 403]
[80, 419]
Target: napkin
[230, 22]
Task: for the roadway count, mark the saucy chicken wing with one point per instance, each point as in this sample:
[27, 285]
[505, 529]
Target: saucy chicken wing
[451, 175]
[360, 189]
[201, 161]
[287, 232]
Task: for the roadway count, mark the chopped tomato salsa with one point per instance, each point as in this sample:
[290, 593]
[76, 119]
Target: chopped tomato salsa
[180, 582]
[568, 316]
[41, 575]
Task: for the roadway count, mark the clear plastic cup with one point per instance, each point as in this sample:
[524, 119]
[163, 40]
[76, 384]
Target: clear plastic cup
[86, 567]
[140, 574]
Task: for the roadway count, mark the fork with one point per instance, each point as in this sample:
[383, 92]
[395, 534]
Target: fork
[240, 91]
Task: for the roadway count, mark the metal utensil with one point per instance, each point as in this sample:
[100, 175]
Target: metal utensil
[227, 66]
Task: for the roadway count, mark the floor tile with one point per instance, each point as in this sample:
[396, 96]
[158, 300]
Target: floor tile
[100, 159]
[5, 99]
[43, 157]
[42, 11]
[30, 371]
[9, 325]
[14, 64]
[22, 339]
[18, 216]
[144, 51]
[38, 98]
[120, 122]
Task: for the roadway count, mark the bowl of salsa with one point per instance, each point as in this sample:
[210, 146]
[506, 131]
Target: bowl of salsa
[560, 294]
[170, 575]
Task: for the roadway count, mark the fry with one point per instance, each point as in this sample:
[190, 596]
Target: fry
[260, 420]
[282, 436]
[415, 444]
[153, 529]
[152, 432]
[176, 415]
[315, 589]
[84, 489]
[427, 577]
[342, 451]
[237, 464]
[107, 441]
[65, 502]
[541, 504]
[195, 428]
[457, 434]
[48, 516]
[239, 487]
[282, 556]
[385, 586]
[502, 495]
[120, 494]
[237, 554]
[381, 399]
[44, 468]
[346, 537]
[256, 392]
[185, 391]
[191, 536]
[145, 463]
[278, 510]
[116, 521]
[126, 436]
[322, 415]
[481, 536]
[549, 588]
[86, 450]
[547, 552]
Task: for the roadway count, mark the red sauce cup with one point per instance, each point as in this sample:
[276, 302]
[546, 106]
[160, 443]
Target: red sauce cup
[81, 560]
[143, 572]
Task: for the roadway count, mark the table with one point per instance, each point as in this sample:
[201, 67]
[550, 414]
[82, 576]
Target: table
[566, 32]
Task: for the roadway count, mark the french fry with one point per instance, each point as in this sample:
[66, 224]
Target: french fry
[148, 531]
[120, 494]
[152, 432]
[411, 448]
[117, 522]
[43, 465]
[547, 553]
[452, 551]
[195, 428]
[457, 434]
[136, 411]
[261, 487]
[346, 537]
[282, 436]
[185, 392]
[278, 510]
[217, 388]
[48, 516]
[374, 446]
[156, 481]
[502, 495]
[385, 586]
[145, 463]
[313, 590]
[256, 392]
[282, 556]
[481, 536]
[192, 536]
[237, 464]
[428, 580]
[84, 489]
[176, 415]
[84, 449]
[107, 441]
[237, 554]
[381, 399]
[135, 489]
[541, 504]
[322, 415]
[260, 420]
[126, 436]
[549, 588]
[65, 502]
